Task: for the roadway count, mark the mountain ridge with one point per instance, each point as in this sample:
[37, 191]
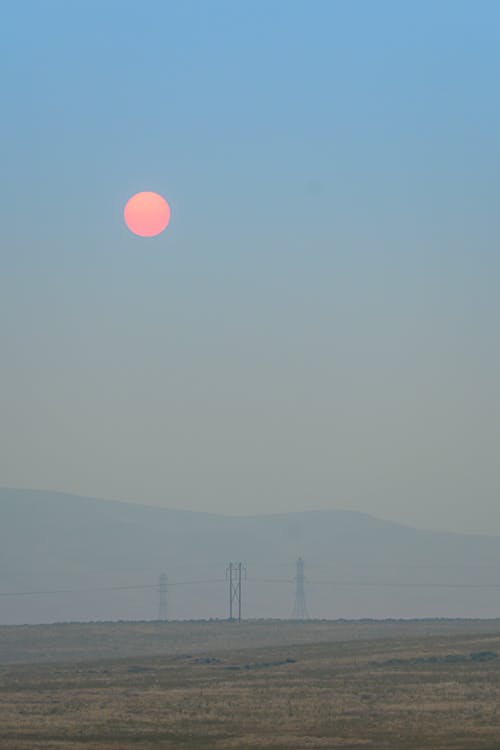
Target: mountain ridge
[356, 564]
[274, 514]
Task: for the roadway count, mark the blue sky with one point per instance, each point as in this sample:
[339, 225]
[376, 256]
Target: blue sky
[318, 326]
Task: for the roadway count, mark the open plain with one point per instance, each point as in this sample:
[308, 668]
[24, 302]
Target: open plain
[263, 684]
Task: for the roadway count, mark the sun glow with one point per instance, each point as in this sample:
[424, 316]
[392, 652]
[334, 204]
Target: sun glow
[146, 214]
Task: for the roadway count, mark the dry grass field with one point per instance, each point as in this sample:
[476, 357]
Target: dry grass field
[280, 685]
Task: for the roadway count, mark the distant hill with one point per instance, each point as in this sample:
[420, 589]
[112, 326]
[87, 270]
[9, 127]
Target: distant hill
[99, 559]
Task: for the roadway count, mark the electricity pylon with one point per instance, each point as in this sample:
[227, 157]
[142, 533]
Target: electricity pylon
[233, 575]
[162, 597]
[300, 608]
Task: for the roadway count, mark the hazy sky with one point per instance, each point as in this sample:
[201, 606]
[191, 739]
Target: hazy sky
[319, 325]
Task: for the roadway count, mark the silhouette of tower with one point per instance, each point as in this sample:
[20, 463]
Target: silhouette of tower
[300, 608]
[162, 597]
[233, 575]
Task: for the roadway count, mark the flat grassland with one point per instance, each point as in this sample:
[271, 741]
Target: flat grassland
[264, 684]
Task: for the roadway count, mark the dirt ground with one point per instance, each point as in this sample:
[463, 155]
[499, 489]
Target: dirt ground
[280, 685]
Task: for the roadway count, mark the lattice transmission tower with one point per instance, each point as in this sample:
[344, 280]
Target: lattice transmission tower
[234, 573]
[300, 607]
[162, 597]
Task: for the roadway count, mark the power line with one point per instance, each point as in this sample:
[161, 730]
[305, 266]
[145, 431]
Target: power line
[353, 584]
[379, 583]
[108, 588]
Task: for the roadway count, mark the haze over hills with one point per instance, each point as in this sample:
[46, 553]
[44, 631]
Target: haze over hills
[64, 557]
